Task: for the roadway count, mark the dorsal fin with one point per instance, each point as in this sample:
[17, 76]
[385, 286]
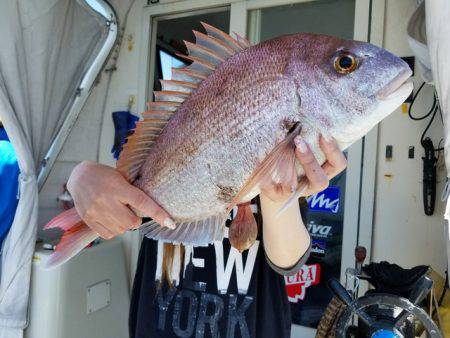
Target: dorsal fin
[198, 65]
[243, 42]
[204, 53]
[170, 96]
[184, 74]
[224, 37]
[209, 51]
[212, 43]
[180, 86]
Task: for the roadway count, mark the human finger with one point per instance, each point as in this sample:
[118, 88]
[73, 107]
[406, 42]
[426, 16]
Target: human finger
[140, 201]
[314, 173]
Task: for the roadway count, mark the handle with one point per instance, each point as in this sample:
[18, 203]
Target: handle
[421, 290]
[340, 292]
[429, 177]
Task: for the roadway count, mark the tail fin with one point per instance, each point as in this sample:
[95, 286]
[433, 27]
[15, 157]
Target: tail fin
[77, 235]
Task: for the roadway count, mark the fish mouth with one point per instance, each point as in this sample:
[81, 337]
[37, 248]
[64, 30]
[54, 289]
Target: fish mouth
[389, 99]
[400, 86]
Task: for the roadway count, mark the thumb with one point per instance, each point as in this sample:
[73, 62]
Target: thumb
[137, 199]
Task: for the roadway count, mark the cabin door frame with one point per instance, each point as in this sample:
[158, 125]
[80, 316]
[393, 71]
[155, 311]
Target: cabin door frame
[362, 156]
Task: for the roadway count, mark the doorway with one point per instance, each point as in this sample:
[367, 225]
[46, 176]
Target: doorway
[338, 230]
[323, 213]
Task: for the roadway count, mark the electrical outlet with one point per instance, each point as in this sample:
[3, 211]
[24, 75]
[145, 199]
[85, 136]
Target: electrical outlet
[389, 152]
[411, 152]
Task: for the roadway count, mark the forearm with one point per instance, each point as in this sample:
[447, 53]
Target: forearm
[286, 239]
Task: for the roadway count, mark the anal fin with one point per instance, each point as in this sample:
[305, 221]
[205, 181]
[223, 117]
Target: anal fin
[198, 233]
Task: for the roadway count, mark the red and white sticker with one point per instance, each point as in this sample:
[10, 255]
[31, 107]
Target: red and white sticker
[297, 284]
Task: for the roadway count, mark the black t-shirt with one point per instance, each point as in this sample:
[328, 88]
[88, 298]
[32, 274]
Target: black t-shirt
[220, 293]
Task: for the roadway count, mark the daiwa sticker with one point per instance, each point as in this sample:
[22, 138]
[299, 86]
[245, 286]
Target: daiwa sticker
[297, 284]
[325, 201]
[318, 247]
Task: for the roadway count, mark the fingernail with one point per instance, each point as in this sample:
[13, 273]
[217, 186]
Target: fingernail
[301, 144]
[169, 223]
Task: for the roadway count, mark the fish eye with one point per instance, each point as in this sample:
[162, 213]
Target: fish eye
[345, 63]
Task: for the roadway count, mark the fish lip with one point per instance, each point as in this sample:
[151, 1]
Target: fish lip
[399, 84]
[403, 90]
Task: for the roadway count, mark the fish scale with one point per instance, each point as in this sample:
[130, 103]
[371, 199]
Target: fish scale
[235, 126]
[223, 128]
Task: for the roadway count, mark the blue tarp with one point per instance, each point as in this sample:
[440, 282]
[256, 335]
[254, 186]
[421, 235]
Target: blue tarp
[9, 173]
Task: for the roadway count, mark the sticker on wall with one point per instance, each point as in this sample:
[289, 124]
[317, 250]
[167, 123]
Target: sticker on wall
[318, 247]
[297, 284]
[319, 230]
[325, 201]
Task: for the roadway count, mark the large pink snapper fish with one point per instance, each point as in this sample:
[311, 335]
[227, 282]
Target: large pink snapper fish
[224, 125]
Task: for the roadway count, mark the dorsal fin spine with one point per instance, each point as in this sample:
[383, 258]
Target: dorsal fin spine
[184, 74]
[201, 51]
[181, 86]
[243, 42]
[215, 44]
[164, 105]
[218, 34]
[169, 95]
[196, 59]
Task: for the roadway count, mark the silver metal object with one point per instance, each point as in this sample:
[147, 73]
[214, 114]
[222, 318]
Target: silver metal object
[389, 301]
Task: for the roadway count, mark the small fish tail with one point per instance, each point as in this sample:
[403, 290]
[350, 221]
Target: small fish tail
[77, 235]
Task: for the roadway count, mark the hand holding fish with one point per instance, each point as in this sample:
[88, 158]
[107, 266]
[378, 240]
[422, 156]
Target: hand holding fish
[102, 198]
[316, 177]
[286, 239]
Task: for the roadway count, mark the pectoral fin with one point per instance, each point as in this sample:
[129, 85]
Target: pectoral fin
[293, 198]
[278, 168]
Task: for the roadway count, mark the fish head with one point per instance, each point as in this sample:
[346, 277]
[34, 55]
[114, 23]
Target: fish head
[346, 87]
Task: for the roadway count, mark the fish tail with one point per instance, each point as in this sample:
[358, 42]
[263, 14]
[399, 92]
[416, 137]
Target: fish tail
[77, 235]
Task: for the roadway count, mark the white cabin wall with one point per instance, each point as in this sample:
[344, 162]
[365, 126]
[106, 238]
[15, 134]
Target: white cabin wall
[93, 134]
[403, 234]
